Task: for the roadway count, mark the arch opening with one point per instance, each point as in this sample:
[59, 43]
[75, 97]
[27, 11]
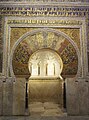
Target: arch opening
[46, 83]
[52, 42]
[33, 41]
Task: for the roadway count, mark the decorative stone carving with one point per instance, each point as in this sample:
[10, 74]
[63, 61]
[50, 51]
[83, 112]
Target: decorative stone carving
[53, 41]
[63, 16]
[50, 64]
[47, 10]
[45, 0]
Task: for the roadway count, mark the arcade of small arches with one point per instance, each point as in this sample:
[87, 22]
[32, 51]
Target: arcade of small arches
[45, 63]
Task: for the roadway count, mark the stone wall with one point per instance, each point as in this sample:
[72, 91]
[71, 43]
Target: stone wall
[19, 96]
[46, 91]
[77, 96]
[12, 96]
[6, 96]
[1, 95]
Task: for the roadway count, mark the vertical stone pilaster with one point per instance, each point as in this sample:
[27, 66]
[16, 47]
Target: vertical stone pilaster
[88, 96]
[19, 96]
[78, 97]
[83, 94]
[1, 44]
[72, 97]
[87, 35]
[7, 97]
[1, 96]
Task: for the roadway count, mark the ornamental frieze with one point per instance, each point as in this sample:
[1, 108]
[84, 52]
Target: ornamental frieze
[47, 22]
[39, 10]
[46, 0]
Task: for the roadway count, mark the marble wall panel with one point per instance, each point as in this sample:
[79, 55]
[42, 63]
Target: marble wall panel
[46, 91]
[19, 97]
[7, 97]
[1, 62]
[83, 97]
[1, 43]
[87, 98]
[72, 100]
[1, 96]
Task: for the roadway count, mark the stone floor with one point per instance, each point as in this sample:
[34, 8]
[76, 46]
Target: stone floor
[45, 109]
[44, 118]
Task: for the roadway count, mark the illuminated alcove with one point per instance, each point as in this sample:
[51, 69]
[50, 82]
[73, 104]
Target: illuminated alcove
[45, 83]
[45, 63]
